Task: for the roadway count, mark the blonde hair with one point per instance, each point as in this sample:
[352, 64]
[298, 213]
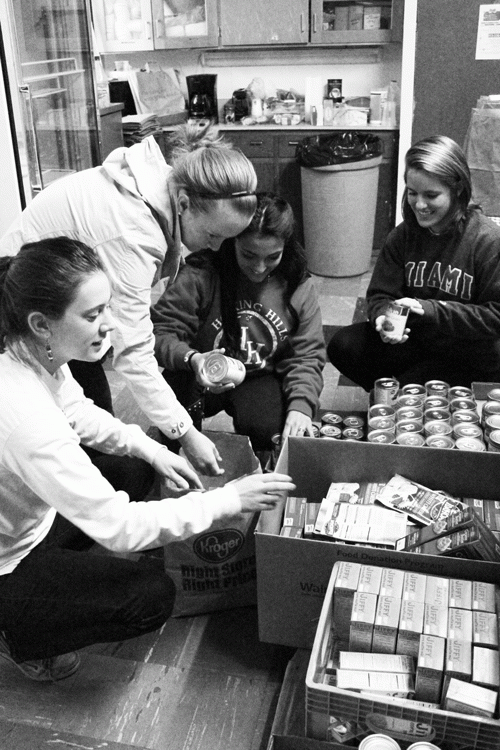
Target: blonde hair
[208, 169]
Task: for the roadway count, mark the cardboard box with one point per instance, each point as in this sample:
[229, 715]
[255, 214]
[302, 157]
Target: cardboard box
[292, 574]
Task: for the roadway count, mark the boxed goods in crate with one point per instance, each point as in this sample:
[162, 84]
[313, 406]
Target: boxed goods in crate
[293, 573]
[434, 693]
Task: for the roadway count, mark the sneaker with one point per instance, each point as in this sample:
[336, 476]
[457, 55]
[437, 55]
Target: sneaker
[43, 670]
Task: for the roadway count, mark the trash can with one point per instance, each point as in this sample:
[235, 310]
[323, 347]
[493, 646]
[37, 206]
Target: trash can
[339, 182]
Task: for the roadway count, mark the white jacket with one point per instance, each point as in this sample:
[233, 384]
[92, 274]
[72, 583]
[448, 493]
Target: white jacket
[105, 207]
[43, 470]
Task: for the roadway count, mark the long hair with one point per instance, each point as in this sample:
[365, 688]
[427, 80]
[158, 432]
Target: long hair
[441, 158]
[210, 169]
[43, 277]
[273, 218]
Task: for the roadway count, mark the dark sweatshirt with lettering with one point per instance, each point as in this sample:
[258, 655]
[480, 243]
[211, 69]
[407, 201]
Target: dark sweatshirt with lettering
[454, 275]
[188, 316]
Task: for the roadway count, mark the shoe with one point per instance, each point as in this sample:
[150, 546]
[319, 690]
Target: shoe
[43, 670]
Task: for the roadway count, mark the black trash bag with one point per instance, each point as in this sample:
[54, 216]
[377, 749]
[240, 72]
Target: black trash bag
[338, 148]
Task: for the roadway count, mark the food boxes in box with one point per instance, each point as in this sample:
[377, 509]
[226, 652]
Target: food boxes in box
[292, 574]
[386, 715]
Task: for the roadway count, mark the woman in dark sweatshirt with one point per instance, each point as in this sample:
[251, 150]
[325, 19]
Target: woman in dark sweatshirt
[443, 262]
[254, 299]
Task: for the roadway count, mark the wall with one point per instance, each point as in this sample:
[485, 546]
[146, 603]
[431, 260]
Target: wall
[358, 78]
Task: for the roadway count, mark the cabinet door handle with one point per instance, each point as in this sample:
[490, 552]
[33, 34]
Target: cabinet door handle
[302, 27]
[148, 29]
[256, 143]
[314, 23]
[159, 28]
[293, 143]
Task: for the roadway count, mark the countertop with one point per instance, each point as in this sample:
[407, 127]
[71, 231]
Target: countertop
[301, 126]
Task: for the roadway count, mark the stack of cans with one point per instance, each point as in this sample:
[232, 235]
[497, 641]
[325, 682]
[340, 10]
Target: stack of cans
[434, 415]
[337, 427]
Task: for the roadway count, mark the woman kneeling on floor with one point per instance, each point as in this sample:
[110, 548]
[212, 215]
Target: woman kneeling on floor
[255, 299]
[55, 595]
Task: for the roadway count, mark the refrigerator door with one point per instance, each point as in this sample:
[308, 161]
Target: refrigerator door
[51, 76]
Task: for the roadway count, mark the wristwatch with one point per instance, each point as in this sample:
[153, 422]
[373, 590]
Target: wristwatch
[188, 357]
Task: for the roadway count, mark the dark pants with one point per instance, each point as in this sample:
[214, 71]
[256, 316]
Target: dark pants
[361, 355]
[62, 597]
[92, 377]
[257, 405]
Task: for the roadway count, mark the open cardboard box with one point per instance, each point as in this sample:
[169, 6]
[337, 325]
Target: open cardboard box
[293, 574]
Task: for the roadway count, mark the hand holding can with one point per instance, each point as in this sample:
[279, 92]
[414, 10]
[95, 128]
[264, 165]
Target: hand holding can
[394, 323]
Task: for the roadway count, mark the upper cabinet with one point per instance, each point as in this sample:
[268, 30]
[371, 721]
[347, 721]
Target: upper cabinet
[128, 25]
[261, 22]
[350, 22]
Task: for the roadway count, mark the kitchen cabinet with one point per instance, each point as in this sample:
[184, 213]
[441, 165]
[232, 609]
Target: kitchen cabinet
[263, 22]
[342, 22]
[272, 152]
[129, 25]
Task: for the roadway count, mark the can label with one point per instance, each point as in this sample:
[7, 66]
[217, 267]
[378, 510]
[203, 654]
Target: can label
[220, 369]
[386, 391]
[394, 324]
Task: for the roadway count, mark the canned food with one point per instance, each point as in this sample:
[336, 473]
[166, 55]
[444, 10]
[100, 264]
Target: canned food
[413, 389]
[330, 431]
[316, 428]
[470, 444]
[381, 436]
[378, 742]
[409, 412]
[408, 400]
[493, 395]
[381, 410]
[439, 441]
[331, 418]
[386, 390]
[436, 402]
[461, 404]
[460, 391]
[472, 417]
[414, 439]
[492, 423]
[352, 433]
[489, 408]
[422, 745]
[220, 369]
[494, 441]
[395, 320]
[437, 427]
[382, 423]
[437, 388]
[353, 421]
[409, 425]
[462, 429]
[441, 414]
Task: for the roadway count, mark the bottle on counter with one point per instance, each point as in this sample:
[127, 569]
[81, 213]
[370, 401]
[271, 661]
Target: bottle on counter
[391, 106]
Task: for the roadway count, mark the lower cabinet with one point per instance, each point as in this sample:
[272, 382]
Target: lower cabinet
[272, 153]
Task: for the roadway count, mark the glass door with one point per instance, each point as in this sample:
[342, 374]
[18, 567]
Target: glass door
[55, 82]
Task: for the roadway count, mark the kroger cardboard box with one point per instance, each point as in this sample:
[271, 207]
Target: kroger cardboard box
[292, 574]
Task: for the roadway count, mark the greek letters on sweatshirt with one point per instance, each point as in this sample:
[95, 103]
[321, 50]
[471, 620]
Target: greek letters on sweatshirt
[188, 316]
[455, 276]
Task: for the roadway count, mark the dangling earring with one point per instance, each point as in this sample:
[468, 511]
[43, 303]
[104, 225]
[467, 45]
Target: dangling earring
[48, 351]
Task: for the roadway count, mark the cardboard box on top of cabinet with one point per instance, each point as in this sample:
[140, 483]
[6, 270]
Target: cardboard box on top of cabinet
[292, 574]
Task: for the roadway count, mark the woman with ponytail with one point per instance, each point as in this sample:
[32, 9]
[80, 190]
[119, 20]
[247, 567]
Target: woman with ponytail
[55, 595]
[254, 300]
[139, 214]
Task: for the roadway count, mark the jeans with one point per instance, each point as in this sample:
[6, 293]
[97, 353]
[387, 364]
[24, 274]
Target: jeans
[61, 597]
[361, 355]
[257, 405]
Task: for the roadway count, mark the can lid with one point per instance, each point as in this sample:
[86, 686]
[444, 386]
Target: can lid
[379, 742]
[470, 444]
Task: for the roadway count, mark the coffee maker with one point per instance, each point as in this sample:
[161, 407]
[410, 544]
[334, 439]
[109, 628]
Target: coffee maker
[202, 97]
